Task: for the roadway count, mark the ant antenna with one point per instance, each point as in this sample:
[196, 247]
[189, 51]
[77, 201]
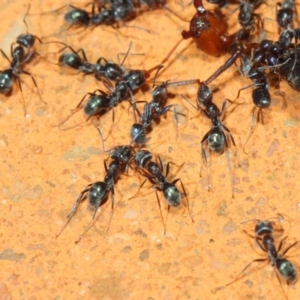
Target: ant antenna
[24, 19]
[158, 69]
[126, 55]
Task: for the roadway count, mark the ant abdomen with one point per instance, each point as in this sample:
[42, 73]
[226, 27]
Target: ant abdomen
[77, 16]
[6, 81]
[96, 194]
[138, 134]
[96, 104]
[216, 141]
[261, 97]
[71, 60]
[171, 194]
[286, 269]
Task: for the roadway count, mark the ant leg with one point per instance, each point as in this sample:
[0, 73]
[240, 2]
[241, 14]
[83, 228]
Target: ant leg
[172, 51]
[80, 198]
[2, 52]
[282, 94]
[224, 67]
[285, 296]
[161, 215]
[92, 222]
[233, 142]
[40, 96]
[288, 248]
[204, 160]
[251, 130]
[185, 195]
[168, 167]
[241, 273]
[260, 116]
[244, 88]
[102, 140]
[112, 207]
[138, 190]
[23, 100]
[126, 55]
[229, 162]
[185, 98]
[74, 110]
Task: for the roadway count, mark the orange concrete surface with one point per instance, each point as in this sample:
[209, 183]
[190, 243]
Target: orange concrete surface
[44, 168]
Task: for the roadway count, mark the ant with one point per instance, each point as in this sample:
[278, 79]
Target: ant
[107, 14]
[285, 15]
[20, 55]
[265, 240]
[97, 192]
[154, 173]
[155, 109]
[217, 137]
[102, 69]
[99, 101]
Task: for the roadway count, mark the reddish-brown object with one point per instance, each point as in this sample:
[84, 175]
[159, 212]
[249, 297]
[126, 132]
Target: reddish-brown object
[206, 29]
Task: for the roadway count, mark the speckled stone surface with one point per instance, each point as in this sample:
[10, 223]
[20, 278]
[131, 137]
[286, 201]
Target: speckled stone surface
[44, 168]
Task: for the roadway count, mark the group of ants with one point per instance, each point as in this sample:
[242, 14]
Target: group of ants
[265, 64]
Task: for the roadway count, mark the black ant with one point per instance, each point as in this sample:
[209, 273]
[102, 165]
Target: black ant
[265, 240]
[20, 54]
[217, 137]
[285, 15]
[97, 192]
[101, 69]
[99, 101]
[155, 109]
[108, 14]
[154, 173]
[260, 95]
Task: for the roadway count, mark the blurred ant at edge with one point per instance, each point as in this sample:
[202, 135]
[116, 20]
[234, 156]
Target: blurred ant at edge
[109, 13]
[97, 193]
[154, 172]
[264, 238]
[218, 138]
[20, 54]
[154, 109]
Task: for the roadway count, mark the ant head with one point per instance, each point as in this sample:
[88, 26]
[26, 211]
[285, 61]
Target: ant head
[204, 95]
[263, 228]
[26, 40]
[142, 157]
[267, 226]
[122, 154]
